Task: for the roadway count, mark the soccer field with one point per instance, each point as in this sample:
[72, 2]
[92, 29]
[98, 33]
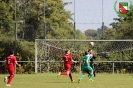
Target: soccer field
[51, 81]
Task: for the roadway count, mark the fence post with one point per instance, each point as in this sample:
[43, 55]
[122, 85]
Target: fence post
[80, 67]
[15, 69]
[48, 66]
[36, 56]
[113, 67]
[40, 66]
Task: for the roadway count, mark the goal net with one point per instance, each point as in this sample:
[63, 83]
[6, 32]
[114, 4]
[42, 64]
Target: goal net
[48, 53]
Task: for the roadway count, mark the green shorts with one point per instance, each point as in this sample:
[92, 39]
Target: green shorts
[86, 69]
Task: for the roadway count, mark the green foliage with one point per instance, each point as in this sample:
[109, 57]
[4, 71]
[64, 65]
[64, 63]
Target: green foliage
[121, 29]
[6, 44]
[91, 32]
[32, 17]
[25, 52]
[22, 48]
[110, 34]
[80, 35]
[32, 21]
[96, 34]
[6, 18]
[123, 26]
[59, 20]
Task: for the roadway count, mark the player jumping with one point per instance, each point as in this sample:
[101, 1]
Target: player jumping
[92, 58]
[86, 67]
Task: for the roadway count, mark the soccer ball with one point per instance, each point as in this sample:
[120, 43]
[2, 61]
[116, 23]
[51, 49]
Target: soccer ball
[91, 43]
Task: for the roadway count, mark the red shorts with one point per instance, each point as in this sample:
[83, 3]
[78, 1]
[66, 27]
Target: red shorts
[10, 70]
[67, 67]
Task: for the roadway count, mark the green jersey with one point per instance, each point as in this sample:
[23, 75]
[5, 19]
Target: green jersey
[86, 57]
[86, 66]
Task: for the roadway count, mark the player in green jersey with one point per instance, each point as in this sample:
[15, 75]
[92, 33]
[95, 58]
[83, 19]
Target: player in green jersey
[86, 67]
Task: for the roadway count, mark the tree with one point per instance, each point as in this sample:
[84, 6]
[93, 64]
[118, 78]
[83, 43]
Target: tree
[6, 18]
[124, 26]
[95, 34]
[80, 35]
[59, 20]
[110, 34]
[91, 32]
[30, 25]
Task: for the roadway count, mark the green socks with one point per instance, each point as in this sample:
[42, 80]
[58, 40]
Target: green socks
[81, 77]
[91, 75]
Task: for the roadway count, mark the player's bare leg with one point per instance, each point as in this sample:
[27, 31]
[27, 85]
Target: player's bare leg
[62, 73]
[9, 80]
[70, 76]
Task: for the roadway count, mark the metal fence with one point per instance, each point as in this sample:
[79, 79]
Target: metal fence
[100, 67]
[118, 67]
[27, 67]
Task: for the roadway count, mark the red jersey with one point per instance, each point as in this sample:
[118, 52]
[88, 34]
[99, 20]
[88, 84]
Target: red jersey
[67, 58]
[10, 60]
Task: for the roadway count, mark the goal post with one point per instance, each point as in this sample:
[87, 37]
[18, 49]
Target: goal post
[49, 51]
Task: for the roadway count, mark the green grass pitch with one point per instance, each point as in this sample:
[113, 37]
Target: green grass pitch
[50, 80]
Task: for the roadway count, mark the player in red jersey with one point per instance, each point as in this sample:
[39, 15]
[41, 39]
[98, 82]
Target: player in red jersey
[9, 62]
[67, 58]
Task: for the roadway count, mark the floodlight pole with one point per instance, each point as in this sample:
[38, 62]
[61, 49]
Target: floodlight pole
[102, 22]
[44, 21]
[74, 28]
[15, 42]
[15, 29]
[74, 22]
[102, 29]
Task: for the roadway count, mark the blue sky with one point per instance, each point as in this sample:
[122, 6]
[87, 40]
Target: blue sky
[89, 14]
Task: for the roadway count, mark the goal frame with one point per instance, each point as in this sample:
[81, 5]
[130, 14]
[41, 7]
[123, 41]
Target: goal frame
[69, 40]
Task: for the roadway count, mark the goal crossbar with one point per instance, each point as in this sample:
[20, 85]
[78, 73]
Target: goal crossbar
[72, 40]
